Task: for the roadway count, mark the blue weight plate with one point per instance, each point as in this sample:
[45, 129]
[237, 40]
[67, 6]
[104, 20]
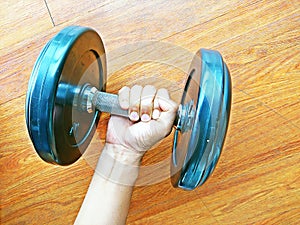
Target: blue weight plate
[206, 101]
[59, 131]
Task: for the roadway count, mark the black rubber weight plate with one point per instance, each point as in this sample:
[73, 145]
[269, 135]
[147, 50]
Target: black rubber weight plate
[59, 131]
[196, 150]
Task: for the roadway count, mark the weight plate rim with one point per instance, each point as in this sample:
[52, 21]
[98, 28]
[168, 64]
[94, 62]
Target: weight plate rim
[181, 179]
[50, 53]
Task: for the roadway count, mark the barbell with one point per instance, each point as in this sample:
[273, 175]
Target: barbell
[66, 94]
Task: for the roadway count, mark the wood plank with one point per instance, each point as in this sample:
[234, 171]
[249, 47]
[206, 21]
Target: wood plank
[31, 188]
[269, 194]
[21, 20]
[256, 180]
[136, 21]
[194, 212]
[136, 18]
[17, 63]
[63, 11]
[238, 23]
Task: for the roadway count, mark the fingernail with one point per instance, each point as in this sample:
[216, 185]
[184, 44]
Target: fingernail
[134, 116]
[155, 114]
[145, 118]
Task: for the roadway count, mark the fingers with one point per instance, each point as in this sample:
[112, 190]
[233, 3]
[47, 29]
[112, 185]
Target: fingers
[134, 102]
[124, 94]
[161, 96]
[156, 107]
[165, 107]
[145, 103]
[147, 97]
[163, 103]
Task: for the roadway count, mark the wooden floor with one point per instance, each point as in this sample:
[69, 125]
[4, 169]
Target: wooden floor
[257, 178]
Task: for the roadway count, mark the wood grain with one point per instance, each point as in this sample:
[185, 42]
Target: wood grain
[22, 20]
[257, 178]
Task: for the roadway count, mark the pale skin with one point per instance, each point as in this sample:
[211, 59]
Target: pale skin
[151, 115]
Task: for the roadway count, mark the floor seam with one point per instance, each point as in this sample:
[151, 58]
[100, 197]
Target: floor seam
[269, 108]
[48, 9]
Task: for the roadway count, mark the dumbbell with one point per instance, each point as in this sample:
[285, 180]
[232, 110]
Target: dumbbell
[66, 95]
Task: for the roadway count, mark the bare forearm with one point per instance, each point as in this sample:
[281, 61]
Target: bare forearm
[151, 117]
[108, 198]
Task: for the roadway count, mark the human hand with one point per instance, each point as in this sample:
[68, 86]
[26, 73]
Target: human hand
[151, 116]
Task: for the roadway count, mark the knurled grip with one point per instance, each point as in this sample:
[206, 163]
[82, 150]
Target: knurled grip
[106, 102]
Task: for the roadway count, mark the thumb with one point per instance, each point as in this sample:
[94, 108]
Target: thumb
[169, 109]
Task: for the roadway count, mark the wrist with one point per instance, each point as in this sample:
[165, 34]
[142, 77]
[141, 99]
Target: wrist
[122, 154]
[118, 164]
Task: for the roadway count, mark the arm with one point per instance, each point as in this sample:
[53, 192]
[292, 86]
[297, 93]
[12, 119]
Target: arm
[151, 116]
[107, 200]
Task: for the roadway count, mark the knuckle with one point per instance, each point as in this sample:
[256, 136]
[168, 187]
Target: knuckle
[124, 89]
[163, 91]
[150, 87]
[136, 87]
